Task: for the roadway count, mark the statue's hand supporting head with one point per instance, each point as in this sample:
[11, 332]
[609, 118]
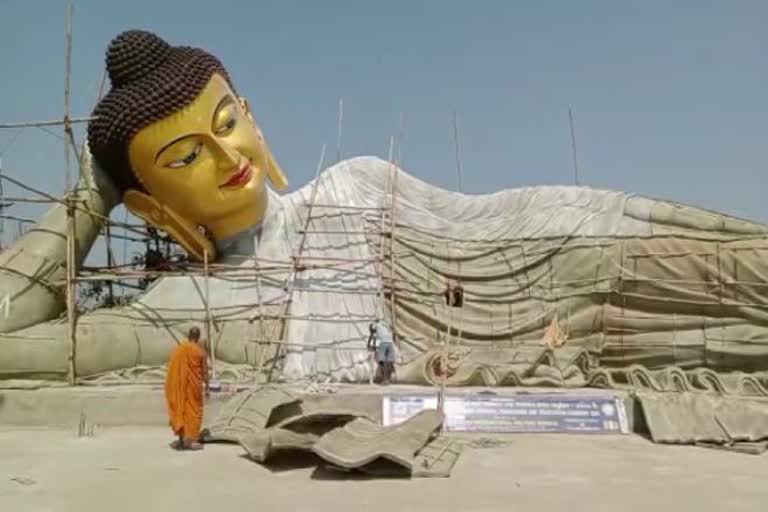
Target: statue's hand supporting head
[180, 144]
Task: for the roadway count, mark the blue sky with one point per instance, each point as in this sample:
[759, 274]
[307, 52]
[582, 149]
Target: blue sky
[670, 98]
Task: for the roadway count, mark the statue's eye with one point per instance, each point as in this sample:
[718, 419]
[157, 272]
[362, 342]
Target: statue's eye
[227, 127]
[187, 159]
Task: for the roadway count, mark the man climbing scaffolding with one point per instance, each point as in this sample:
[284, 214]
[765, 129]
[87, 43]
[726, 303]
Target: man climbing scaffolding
[383, 343]
[454, 294]
[185, 385]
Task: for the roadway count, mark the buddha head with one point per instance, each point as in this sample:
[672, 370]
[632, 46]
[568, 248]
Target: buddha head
[180, 144]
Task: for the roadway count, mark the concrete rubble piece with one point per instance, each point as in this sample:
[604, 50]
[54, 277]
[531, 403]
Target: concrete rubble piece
[269, 421]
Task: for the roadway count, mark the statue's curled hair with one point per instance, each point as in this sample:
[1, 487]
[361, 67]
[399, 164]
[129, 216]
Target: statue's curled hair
[150, 81]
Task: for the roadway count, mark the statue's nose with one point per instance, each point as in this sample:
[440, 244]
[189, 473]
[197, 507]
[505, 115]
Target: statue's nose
[227, 157]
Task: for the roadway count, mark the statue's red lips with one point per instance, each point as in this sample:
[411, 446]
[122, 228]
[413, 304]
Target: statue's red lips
[240, 178]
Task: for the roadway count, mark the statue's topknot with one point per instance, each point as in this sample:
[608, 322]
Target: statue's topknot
[134, 54]
[150, 81]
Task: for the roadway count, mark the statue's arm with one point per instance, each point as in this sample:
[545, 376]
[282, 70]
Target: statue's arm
[33, 268]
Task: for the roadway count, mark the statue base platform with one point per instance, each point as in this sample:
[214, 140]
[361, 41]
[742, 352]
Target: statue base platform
[467, 409]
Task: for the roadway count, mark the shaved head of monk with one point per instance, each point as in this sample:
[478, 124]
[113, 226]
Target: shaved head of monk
[186, 382]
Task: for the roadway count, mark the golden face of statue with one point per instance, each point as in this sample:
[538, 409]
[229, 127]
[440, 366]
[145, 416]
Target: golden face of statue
[208, 162]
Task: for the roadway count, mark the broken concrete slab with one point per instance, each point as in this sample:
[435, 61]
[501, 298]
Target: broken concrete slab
[363, 443]
[251, 411]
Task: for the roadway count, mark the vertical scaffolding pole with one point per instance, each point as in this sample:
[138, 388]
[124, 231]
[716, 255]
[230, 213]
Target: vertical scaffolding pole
[459, 170]
[573, 148]
[338, 134]
[447, 340]
[110, 260]
[208, 318]
[392, 262]
[262, 329]
[2, 208]
[460, 174]
[380, 260]
[71, 259]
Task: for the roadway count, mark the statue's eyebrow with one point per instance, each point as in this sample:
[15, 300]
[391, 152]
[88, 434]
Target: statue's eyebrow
[225, 101]
[174, 141]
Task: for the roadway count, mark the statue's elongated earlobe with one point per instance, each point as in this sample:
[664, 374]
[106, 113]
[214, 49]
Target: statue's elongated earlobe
[162, 217]
[275, 174]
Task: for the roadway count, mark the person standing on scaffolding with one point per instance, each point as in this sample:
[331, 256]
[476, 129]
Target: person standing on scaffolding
[383, 343]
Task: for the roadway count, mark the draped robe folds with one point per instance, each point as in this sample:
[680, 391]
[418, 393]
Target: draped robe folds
[184, 389]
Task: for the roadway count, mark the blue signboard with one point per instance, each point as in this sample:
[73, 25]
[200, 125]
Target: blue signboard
[562, 413]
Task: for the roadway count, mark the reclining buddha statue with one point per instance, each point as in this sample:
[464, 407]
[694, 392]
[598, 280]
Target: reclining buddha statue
[560, 285]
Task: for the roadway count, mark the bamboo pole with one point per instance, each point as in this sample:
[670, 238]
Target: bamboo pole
[444, 362]
[56, 122]
[573, 148]
[392, 224]
[110, 260]
[208, 318]
[91, 274]
[459, 170]
[338, 135]
[349, 207]
[71, 260]
[342, 232]
[68, 70]
[341, 214]
[12, 200]
[341, 260]
[262, 329]
[99, 94]
[3, 206]
[446, 342]
[380, 259]
[460, 174]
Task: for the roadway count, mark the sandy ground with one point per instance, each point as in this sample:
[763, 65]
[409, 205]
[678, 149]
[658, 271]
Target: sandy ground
[133, 469]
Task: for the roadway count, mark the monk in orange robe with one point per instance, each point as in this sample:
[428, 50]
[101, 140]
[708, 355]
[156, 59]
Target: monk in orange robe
[185, 383]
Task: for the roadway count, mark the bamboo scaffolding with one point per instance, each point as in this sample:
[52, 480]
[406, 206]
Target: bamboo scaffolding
[290, 280]
[336, 200]
[379, 271]
[73, 205]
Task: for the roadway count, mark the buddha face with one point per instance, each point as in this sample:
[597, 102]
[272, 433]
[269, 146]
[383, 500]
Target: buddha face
[208, 162]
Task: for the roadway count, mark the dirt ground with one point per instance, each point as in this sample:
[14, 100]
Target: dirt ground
[133, 469]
